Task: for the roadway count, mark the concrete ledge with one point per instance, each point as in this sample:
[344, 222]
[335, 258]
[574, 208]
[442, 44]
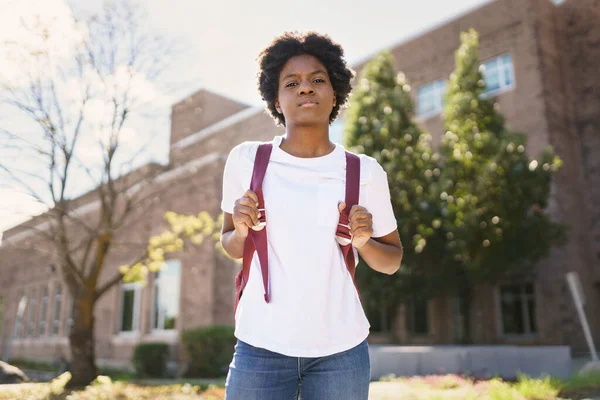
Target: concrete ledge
[478, 361]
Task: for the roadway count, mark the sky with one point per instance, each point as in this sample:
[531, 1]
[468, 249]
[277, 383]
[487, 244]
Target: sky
[218, 42]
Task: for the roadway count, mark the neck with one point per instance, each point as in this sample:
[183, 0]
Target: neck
[307, 141]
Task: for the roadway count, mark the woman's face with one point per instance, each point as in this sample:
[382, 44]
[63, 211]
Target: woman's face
[305, 95]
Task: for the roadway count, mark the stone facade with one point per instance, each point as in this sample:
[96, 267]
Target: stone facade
[554, 99]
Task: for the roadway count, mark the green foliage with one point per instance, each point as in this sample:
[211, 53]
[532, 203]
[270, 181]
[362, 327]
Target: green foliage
[493, 195]
[150, 359]
[209, 350]
[472, 213]
[103, 388]
[23, 363]
[581, 382]
[379, 123]
[538, 389]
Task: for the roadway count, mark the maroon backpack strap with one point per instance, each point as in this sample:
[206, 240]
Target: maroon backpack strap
[352, 195]
[256, 240]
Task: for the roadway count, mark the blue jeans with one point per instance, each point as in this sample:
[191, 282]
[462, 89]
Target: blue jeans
[259, 374]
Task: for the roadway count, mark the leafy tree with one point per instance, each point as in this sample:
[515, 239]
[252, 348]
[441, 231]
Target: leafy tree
[379, 123]
[492, 194]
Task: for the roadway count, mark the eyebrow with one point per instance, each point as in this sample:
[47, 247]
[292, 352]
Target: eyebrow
[319, 71]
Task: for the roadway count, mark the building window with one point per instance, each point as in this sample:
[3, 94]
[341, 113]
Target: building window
[417, 316]
[21, 306]
[70, 310]
[130, 307]
[517, 305]
[31, 314]
[43, 312]
[430, 98]
[56, 313]
[498, 74]
[167, 284]
[380, 312]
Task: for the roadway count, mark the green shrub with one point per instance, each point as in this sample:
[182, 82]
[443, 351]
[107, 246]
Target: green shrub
[150, 359]
[209, 350]
[23, 363]
[537, 389]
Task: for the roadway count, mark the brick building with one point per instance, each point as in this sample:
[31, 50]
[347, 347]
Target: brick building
[542, 61]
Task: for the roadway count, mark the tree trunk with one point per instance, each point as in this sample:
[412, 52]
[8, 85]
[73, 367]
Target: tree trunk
[82, 344]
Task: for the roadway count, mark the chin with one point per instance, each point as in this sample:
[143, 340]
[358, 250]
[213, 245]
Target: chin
[310, 121]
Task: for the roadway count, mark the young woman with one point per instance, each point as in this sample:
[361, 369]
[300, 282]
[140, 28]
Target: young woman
[308, 340]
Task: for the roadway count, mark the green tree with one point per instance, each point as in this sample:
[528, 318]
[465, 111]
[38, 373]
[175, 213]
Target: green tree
[379, 123]
[492, 194]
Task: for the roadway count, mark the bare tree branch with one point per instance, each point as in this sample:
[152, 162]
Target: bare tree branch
[117, 278]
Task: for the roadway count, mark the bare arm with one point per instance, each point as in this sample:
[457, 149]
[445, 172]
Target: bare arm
[236, 225]
[383, 254]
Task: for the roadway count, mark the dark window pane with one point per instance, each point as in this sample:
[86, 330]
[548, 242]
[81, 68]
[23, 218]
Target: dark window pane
[529, 288]
[169, 322]
[127, 312]
[512, 310]
[532, 318]
[156, 323]
[380, 314]
[417, 316]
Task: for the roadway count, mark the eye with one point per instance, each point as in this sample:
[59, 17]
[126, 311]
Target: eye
[320, 79]
[290, 84]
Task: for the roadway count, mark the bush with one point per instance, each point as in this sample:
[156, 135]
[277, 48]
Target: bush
[209, 350]
[150, 359]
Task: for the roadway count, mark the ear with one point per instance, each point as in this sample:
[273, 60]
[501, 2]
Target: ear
[334, 99]
[278, 106]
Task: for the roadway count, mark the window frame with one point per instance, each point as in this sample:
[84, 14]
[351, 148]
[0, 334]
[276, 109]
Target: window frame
[438, 90]
[523, 298]
[502, 68]
[30, 330]
[411, 311]
[43, 320]
[156, 282]
[56, 310]
[136, 287]
[21, 309]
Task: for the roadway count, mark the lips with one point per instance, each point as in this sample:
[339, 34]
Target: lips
[308, 103]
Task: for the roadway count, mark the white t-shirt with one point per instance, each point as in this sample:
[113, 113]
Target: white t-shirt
[314, 309]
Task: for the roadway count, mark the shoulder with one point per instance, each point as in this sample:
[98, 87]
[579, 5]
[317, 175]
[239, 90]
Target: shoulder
[245, 152]
[370, 169]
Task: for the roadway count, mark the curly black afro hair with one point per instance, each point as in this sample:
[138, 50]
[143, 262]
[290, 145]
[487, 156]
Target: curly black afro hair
[290, 44]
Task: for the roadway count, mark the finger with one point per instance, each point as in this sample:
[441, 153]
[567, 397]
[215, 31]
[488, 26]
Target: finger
[341, 206]
[363, 223]
[363, 232]
[356, 208]
[250, 212]
[248, 202]
[249, 193]
[358, 215]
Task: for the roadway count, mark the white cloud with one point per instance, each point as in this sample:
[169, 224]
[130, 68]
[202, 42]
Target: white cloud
[29, 27]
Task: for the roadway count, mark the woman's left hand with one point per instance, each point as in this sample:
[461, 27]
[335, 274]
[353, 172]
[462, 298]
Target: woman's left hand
[361, 224]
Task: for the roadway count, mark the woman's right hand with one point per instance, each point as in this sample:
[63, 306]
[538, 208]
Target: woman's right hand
[245, 213]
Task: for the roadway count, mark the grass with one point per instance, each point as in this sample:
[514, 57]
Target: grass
[455, 387]
[433, 387]
[36, 365]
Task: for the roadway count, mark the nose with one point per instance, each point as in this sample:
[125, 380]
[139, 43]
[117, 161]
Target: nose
[305, 88]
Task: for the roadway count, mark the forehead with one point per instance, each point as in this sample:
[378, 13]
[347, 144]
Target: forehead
[301, 64]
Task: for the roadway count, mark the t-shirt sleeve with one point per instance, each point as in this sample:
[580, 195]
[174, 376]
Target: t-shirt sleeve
[378, 202]
[232, 180]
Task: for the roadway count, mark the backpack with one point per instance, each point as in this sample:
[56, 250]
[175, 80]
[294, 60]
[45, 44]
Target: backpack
[257, 239]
